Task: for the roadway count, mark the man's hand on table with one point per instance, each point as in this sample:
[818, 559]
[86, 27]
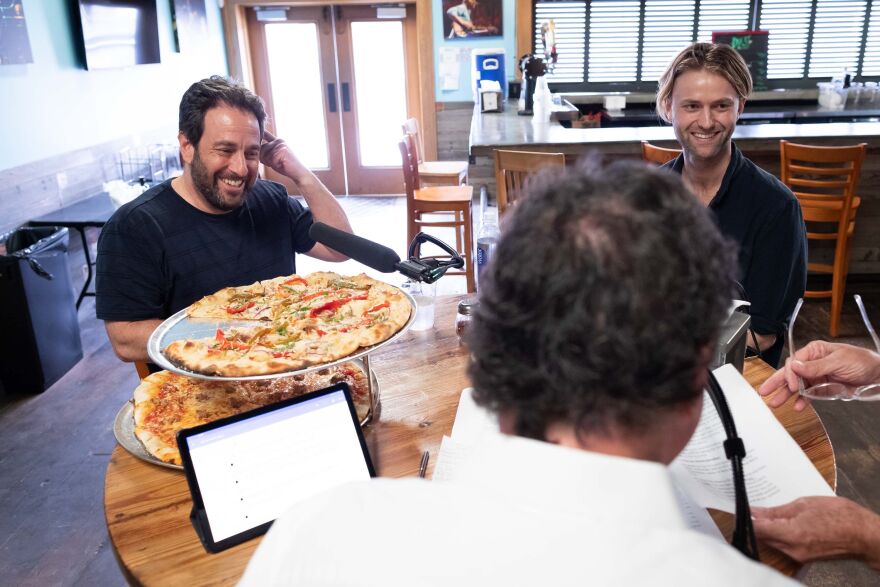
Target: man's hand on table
[821, 362]
[816, 528]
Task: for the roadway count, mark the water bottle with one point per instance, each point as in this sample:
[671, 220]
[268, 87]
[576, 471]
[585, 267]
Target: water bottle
[487, 239]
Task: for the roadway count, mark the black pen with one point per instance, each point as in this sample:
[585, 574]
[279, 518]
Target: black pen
[423, 466]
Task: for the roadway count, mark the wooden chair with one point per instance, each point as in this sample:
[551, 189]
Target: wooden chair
[658, 155]
[434, 172]
[512, 168]
[824, 180]
[438, 206]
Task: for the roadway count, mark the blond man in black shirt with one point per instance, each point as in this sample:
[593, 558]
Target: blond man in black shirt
[702, 93]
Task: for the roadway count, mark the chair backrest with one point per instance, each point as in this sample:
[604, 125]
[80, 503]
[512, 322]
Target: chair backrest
[410, 167]
[821, 172]
[658, 155]
[411, 128]
[512, 169]
[824, 179]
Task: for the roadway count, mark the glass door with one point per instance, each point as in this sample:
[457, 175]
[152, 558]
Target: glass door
[338, 83]
[295, 73]
[376, 59]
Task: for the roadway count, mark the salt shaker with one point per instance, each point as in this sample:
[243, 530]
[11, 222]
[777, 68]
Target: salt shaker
[464, 317]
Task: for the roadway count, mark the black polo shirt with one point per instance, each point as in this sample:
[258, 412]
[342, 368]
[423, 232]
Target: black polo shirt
[764, 217]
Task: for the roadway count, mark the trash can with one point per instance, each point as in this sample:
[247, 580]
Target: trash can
[39, 336]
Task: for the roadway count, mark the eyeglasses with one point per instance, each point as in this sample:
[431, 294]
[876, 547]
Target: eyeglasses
[835, 390]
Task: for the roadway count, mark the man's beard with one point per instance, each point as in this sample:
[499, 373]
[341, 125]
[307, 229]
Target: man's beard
[208, 188]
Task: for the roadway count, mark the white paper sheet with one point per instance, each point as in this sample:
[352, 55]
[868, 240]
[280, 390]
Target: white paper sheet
[695, 516]
[449, 68]
[449, 459]
[471, 421]
[776, 470]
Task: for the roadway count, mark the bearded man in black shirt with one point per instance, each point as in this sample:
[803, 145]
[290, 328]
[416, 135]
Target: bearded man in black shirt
[215, 226]
[702, 93]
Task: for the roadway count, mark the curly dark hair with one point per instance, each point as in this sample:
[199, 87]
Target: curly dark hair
[210, 92]
[603, 301]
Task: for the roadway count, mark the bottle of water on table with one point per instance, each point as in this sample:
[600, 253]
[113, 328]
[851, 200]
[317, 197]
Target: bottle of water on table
[487, 239]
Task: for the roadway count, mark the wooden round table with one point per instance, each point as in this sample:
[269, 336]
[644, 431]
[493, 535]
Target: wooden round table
[420, 377]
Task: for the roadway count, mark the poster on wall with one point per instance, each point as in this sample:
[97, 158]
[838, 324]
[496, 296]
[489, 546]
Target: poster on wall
[14, 44]
[190, 25]
[471, 18]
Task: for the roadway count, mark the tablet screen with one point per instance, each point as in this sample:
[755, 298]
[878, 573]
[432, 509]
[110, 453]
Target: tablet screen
[245, 471]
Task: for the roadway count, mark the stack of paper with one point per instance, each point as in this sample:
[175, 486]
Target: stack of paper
[471, 423]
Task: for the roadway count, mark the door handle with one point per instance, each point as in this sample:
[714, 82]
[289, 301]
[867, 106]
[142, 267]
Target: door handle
[331, 97]
[346, 98]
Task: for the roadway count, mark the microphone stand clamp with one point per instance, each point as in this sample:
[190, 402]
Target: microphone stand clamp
[428, 269]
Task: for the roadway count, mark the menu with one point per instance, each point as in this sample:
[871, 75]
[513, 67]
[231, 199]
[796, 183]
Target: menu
[753, 46]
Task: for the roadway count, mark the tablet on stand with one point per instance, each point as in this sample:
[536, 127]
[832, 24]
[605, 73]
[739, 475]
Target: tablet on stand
[246, 470]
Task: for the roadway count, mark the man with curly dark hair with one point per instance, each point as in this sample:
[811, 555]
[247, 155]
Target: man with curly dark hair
[596, 324]
[603, 305]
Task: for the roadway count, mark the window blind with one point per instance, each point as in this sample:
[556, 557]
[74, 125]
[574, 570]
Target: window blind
[871, 63]
[837, 37]
[669, 27]
[570, 19]
[630, 42]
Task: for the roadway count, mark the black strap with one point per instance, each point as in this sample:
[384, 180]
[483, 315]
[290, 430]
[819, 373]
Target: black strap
[744, 533]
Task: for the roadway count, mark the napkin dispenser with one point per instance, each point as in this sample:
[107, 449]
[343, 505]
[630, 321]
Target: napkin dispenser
[491, 96]
[732, 341]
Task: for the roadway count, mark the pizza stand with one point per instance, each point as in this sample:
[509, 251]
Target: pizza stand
[180, 326]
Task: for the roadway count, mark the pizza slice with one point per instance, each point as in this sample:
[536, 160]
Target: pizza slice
[248, 302]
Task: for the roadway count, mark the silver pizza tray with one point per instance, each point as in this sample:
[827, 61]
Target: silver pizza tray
[181, 327]
[123, 425]
[123, 429]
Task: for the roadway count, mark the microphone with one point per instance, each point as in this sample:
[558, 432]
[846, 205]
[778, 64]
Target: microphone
[385, 260]
[371, 254]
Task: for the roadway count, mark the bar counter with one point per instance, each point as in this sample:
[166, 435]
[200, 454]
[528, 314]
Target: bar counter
[759, 142]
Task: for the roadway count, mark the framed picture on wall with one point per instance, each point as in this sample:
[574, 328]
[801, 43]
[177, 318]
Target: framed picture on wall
[464, 19]
[14, 44]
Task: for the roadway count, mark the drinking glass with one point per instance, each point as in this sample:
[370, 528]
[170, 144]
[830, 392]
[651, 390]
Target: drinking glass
[831, 389]
[424, 294]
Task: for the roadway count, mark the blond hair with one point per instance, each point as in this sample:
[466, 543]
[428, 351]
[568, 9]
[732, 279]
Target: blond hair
[718, 59]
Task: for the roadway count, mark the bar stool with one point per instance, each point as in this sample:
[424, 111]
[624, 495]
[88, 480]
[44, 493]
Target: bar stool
[824, 180]
[512, 169]
[658, 155]
[438, 206]
[434, 172]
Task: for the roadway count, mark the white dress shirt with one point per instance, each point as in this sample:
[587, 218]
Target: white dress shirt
[519, 512]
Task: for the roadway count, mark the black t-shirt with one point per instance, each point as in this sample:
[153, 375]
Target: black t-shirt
[158, 254]
[764, 217]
